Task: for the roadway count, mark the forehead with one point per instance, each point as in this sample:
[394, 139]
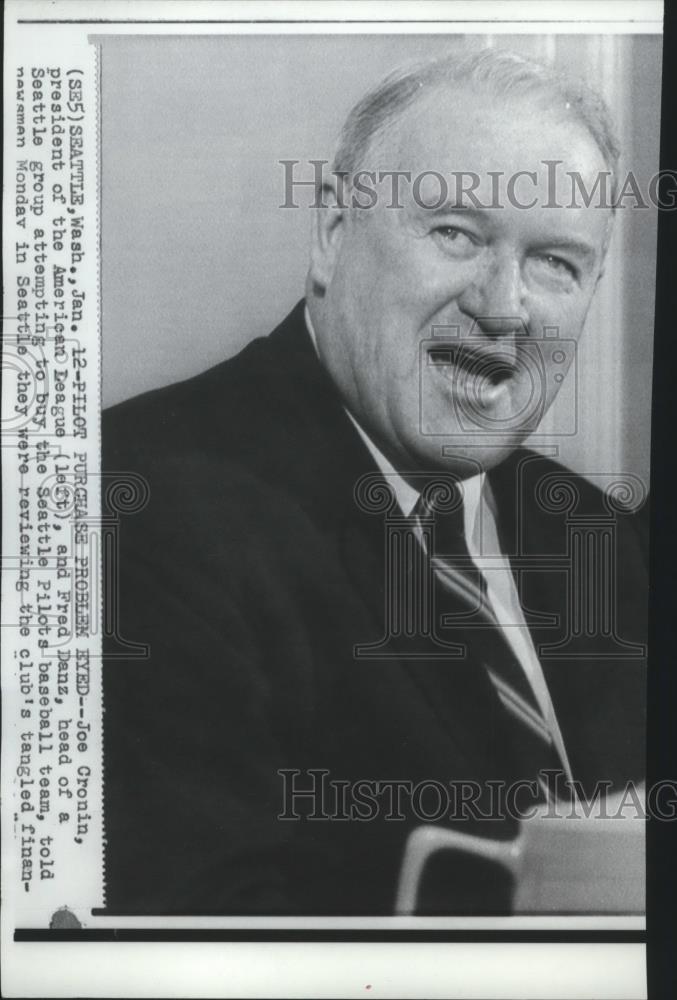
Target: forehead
[461, 129]
[487, 143]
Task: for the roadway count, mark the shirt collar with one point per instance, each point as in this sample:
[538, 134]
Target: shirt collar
[405, 494]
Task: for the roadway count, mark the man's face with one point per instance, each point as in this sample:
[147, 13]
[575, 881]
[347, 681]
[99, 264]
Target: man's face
[496, 277]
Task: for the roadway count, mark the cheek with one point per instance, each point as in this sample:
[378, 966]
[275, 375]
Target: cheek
[387, 365]
[397, 272]
[564, 313]
[404, 262]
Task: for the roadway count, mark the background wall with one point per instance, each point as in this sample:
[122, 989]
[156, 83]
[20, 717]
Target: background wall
[199, 258]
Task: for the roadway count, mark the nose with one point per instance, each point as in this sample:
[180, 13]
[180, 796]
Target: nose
[494, 300]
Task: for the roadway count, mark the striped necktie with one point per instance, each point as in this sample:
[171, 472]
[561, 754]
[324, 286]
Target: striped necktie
[461, 599]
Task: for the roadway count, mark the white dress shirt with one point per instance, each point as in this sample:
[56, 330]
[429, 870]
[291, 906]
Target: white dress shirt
[483, 545]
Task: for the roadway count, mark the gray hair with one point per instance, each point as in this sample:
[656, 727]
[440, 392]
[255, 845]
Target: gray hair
[495, 71]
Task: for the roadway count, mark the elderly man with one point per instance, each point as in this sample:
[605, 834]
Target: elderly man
[352, 580]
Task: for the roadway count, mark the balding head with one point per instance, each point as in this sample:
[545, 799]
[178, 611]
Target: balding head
[494, 73]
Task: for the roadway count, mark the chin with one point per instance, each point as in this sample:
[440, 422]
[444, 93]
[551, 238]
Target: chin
[464, 459]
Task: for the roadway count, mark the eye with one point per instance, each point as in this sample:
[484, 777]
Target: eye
[557, 265]
[456, 241]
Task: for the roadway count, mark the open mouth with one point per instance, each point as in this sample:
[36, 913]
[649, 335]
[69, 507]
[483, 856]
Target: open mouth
[483, 366]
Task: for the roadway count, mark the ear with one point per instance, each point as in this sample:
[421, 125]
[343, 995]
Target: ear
[328, 226]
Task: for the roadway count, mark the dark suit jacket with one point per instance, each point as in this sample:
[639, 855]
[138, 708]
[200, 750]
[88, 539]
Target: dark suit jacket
[251, 574]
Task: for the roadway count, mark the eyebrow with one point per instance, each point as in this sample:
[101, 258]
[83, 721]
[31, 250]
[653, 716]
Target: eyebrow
[457, 206]
[578, 247]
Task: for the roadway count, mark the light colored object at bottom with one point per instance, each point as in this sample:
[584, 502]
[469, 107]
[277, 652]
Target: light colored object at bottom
[564, 865]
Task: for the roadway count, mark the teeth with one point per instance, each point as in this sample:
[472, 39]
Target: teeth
[483, 366]
[441, 357]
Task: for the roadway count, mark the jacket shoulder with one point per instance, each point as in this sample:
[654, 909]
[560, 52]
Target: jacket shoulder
[563, 487]
[552, 494]
[198, 413]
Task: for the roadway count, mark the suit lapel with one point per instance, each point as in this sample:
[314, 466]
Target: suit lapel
[596, 699]
[535, 542]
